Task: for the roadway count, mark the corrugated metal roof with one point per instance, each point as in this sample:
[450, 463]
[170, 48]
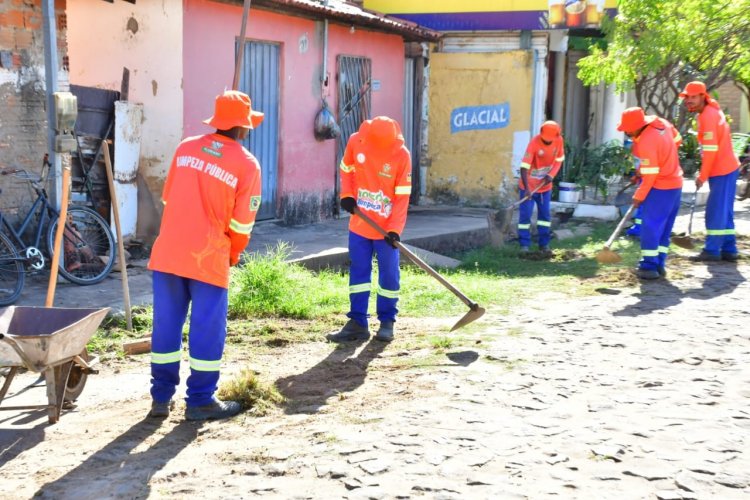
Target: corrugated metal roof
[348, 13]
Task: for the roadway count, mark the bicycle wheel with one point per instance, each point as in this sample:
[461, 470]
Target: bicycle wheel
[88, 246]
[11, 272]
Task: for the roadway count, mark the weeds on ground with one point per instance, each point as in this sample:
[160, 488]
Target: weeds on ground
[269, 286]
[252, 394]
[108, 339]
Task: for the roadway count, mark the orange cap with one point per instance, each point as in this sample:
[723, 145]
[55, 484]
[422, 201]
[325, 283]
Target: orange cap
[633, 119]
[550, 130]
[694, 88]
[234, 109]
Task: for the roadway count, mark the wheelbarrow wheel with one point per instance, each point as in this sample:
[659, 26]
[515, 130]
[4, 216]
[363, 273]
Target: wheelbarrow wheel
[76, 380]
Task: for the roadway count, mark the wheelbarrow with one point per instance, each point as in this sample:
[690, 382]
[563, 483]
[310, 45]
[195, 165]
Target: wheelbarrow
[51, 341]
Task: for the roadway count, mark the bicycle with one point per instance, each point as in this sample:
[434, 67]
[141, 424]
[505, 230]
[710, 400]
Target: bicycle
[88, 245]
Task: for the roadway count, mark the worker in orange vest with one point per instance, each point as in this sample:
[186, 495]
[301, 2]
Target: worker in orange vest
[211, 197]
[720, 166]
[541, 163]
[655, 143]
[376, 177]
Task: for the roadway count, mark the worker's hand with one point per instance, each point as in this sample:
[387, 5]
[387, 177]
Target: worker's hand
[234, 260]
[348, 204]
[634, 178]
[637, 203]
[698, 183]
[548, 179]
[392, 238]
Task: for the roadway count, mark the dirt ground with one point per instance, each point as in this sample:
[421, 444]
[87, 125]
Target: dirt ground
[639, 391]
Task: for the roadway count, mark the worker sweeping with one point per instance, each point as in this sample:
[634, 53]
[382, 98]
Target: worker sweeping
[376, 177]
[211, 197]
[720, 166]
[541, 163]
[655, 142]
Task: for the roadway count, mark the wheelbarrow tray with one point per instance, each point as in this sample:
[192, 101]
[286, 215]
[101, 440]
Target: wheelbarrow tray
[50, 341]
[38, 338]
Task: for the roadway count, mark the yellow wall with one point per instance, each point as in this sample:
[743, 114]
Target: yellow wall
[475, 165]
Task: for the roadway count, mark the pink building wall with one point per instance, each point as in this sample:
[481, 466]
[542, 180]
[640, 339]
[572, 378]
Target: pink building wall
[306, 167]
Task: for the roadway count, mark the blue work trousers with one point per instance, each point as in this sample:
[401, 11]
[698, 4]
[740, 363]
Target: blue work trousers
[720, 233]
[543, 224]
[361, 251]
[208, 330]
[659, 211]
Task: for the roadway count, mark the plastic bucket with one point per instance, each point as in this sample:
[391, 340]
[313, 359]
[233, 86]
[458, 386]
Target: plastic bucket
[568, 192]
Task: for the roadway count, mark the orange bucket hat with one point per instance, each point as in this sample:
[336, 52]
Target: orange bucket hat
[694, 88]
[550, 130]
[234, 109]
[633, 119]
[698, 88]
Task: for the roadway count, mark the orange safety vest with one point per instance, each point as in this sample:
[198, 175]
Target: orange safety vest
[211, 198]
[541, 160]
[715, 138]
[376, 171]
[655, 151]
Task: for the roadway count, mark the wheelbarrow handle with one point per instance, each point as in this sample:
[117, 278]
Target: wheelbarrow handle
[416, 260]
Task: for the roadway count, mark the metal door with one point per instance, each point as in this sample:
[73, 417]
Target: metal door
[354, 76]
[260, 80]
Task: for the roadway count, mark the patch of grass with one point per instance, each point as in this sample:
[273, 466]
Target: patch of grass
[251, 392]
[267, 285]
[109, 337]
[441, 343]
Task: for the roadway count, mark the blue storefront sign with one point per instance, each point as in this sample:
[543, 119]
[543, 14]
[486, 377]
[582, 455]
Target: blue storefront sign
[480, 117]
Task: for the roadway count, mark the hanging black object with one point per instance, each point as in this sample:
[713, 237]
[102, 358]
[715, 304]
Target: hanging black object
[325, 124]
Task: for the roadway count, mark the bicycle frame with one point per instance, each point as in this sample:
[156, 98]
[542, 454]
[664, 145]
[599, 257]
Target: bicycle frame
[17, 235]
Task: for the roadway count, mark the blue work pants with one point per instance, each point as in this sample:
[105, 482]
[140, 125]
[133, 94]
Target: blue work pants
[361, 251]
[208, 329]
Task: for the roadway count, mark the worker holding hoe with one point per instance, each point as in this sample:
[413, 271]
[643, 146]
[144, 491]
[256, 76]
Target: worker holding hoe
[375, 178]
[541, 163]
[655, 142]
[720, 166]
[211, 198]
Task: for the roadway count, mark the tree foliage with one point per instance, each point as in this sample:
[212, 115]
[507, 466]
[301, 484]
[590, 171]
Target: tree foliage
[656, 46]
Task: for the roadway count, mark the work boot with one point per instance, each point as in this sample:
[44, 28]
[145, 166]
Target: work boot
[662, 271]
[730, 257]
[214, 411]
[160, 410]
[385, 332]
[352, 331]
[544, 249]
[524, 250]
[647, 274]
[705, 257]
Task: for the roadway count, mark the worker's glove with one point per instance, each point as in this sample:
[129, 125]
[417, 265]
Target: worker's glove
[548, 179]
[348, 204]
[392, 238]
[234, 260]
